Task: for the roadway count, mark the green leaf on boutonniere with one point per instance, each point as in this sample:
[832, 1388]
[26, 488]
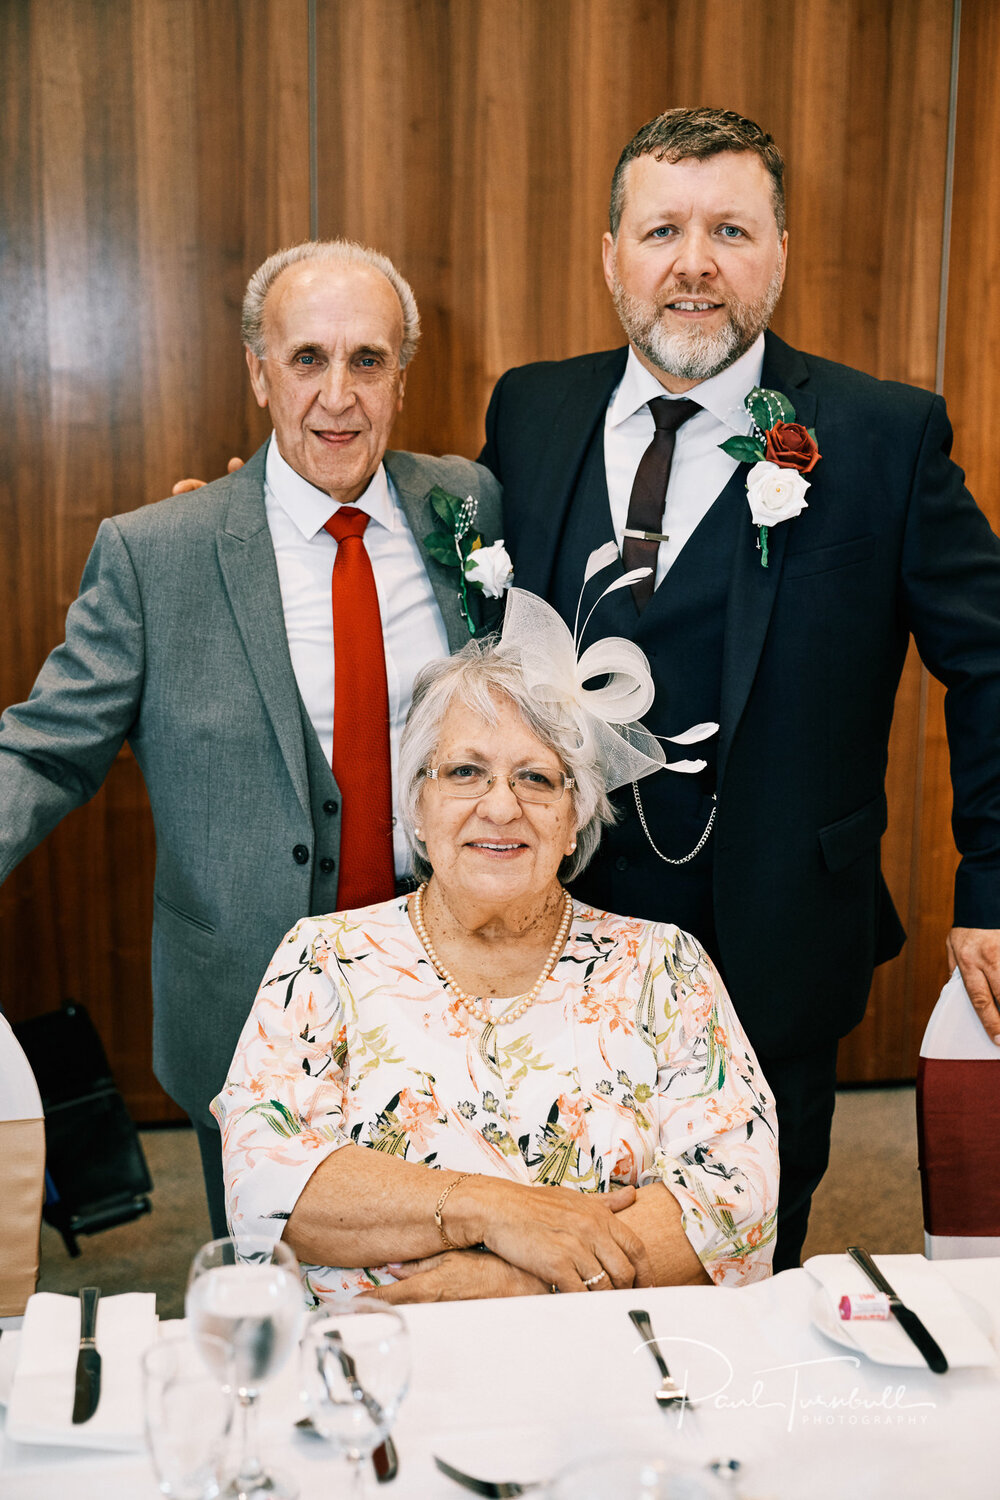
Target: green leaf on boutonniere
[446, 507]
[442, 547]
[745, 450]
[812, 433]
[768, 407]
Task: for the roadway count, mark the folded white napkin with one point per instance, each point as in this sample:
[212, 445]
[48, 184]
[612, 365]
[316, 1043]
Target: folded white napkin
[954, 1030]
[41, 1398]
[924, 1289]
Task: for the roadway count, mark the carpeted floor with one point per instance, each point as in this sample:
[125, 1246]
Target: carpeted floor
[870, 1196]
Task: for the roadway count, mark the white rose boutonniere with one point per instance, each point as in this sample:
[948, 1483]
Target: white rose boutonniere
[490, 569]
[457, 544]
[775, 494]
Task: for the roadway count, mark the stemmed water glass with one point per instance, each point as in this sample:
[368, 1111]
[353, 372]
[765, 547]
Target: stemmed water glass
[245, 1291]
[355, 1371]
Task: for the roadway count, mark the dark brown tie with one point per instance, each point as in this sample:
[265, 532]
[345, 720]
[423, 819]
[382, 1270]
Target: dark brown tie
[649, 492]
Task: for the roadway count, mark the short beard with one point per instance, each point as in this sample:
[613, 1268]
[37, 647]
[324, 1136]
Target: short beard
[695, 354]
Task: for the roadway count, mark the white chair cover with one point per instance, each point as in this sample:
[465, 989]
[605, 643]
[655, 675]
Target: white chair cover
[22, 1174]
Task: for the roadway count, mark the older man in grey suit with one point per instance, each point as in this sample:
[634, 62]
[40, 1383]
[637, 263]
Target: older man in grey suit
[204, 635]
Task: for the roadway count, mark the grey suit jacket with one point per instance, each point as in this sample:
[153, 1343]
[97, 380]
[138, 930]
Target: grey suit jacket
[177, 643]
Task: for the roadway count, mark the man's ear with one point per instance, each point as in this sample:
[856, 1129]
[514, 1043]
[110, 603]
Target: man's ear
[258, 380]
[608, 257]
[402, 388]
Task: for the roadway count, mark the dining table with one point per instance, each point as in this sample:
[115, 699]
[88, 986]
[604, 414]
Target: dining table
[516, 1389]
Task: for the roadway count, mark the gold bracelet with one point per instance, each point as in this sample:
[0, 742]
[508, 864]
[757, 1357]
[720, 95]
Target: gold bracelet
[449, 1244]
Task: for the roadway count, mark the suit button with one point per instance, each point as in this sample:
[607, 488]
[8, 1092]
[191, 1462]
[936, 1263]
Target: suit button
[327, 865]
[330, 807]
[621, 863]
[300, 854]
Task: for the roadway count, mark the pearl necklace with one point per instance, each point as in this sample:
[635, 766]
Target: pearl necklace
[525, 1001]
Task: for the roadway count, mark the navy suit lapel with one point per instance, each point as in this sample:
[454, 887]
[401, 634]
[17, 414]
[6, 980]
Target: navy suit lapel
[565, 448]
[786, 370]
[250, 575]
[753, 588]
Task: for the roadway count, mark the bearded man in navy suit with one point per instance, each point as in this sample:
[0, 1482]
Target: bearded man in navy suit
[794, 647]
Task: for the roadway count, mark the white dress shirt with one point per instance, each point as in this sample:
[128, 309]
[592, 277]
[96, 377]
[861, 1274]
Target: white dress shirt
[412, 628]
[700, 470]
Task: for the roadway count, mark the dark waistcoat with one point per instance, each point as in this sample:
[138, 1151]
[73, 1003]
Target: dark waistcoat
[681, 631]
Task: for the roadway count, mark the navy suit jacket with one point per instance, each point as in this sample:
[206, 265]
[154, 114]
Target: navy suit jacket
[891, 544]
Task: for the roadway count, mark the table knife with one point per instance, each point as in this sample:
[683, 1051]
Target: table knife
[385, 1460]
[88, 1361]
[905, 1316]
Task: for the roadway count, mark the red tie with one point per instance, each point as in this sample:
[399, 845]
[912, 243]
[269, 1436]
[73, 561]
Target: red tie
[361, 763]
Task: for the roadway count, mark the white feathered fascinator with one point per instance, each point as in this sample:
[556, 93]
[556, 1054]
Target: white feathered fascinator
[606, 717]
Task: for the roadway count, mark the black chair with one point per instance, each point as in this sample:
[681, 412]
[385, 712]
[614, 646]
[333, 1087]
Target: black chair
[97, 1172]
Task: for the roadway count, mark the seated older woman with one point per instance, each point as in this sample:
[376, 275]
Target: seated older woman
[487, 1088]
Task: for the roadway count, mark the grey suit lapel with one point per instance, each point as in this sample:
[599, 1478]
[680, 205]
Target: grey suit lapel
[250, 575]
[753, 588]
[413, 484]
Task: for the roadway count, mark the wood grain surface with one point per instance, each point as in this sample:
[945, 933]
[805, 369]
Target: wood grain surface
[156, 150]
[972, 390]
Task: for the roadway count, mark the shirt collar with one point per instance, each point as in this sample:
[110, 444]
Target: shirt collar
[722, 395]
[310, 508]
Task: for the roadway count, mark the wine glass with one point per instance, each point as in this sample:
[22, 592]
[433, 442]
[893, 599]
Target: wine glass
[188, 1415]
[355, 1371]
[245, 1291]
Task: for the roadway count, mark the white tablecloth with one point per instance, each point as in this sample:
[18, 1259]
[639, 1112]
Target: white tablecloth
[513, 1389]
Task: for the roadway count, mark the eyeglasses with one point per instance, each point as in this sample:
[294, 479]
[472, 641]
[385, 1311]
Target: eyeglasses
[464, 778]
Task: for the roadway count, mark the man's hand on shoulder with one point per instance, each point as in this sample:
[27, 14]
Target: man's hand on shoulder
[184, 486]
[976, 951]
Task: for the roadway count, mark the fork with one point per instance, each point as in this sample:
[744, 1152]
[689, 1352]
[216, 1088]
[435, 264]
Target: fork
[499, 1489]
[494, 1489]
[669, 1393]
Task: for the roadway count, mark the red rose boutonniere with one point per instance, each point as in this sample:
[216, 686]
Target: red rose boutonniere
[781, 451]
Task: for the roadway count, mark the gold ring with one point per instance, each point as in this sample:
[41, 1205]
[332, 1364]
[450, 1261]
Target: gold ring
[553, 1287]
[593, 1280]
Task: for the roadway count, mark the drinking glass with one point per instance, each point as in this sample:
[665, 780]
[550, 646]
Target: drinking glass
[355, 1371]
[188, 1412]
[245, 1291]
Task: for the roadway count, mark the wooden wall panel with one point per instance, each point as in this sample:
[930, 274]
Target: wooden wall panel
[972, 390]
[154, 152]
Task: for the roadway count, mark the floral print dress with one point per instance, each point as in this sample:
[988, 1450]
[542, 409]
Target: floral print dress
[631, 1067]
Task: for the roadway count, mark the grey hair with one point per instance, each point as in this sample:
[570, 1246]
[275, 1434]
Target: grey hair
[697, 134]
[480, 677]
[337, 252]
